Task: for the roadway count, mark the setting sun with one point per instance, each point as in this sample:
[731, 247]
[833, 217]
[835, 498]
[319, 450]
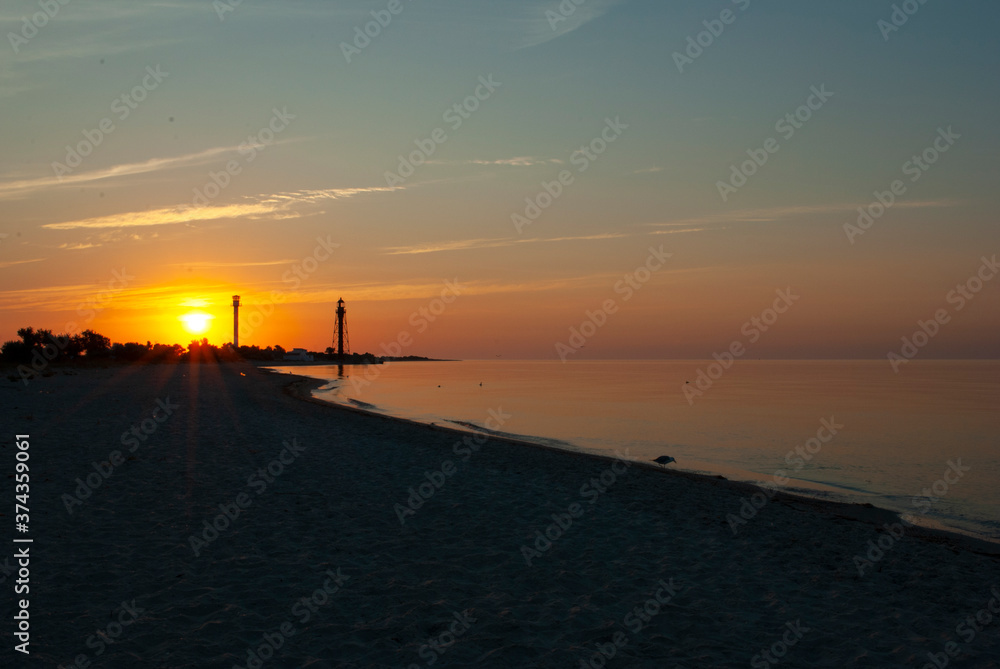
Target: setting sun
[196, 322]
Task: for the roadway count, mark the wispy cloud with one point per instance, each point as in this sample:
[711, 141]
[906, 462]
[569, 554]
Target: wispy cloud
[11, 263]
[103, 11]
[547, 22]
[22, 186]
[78, 247]
[99, 45]
[67, 297]
[773, 214]
[218, 296]
[12, 84]
[208, 265]
[648, 170]
[425, 288]
[466, 244]
[422, 288]
[676, 231]
[276, 206]
[519, 161]
[163, 216]
[313, 196]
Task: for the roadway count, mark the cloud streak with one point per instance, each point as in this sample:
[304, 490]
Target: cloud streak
[468, 244]
[519, 161]
[277, 206]
[774, 214]
[16, 188]
[163, 216]
[12, 263]
[79, 247]
[209, 265]
[548, 23]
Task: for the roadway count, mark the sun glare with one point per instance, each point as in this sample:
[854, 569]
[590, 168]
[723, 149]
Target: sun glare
[196, 322]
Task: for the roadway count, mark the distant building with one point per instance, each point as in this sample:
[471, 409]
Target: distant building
[298, 355]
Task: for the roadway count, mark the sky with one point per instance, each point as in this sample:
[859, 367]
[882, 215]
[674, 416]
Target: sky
[516, 178]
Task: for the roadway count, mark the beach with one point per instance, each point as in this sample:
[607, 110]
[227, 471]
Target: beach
[217, 516]
[860, 435]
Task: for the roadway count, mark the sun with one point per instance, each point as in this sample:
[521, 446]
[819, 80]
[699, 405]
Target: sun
[196, 322]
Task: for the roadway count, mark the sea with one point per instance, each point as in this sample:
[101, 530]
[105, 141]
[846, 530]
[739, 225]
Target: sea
[923, 440]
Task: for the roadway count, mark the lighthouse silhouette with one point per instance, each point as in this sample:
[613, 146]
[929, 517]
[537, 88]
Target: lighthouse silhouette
[236, 321]
[342, 330]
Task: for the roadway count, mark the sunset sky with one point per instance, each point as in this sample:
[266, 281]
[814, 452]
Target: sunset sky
[265, 90]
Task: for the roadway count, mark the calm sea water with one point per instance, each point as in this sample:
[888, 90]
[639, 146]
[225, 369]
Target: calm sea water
[900, 438]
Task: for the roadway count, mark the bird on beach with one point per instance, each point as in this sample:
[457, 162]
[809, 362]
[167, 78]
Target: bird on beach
[664, 460]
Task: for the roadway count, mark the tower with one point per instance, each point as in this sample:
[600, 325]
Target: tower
[342, 329]
[236, 321]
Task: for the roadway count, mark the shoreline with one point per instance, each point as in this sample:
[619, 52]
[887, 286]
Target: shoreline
[301, 387]
[246, 496]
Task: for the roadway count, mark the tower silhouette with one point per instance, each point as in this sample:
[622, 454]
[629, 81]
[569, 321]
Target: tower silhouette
[341, 334]
[236, 321]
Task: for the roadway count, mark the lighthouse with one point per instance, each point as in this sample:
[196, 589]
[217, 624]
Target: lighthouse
[342, 329]
[236, 322]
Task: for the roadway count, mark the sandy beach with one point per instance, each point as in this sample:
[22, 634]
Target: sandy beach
[215, 516]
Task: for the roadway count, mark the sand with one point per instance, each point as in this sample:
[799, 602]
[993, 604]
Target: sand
[314, 568]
